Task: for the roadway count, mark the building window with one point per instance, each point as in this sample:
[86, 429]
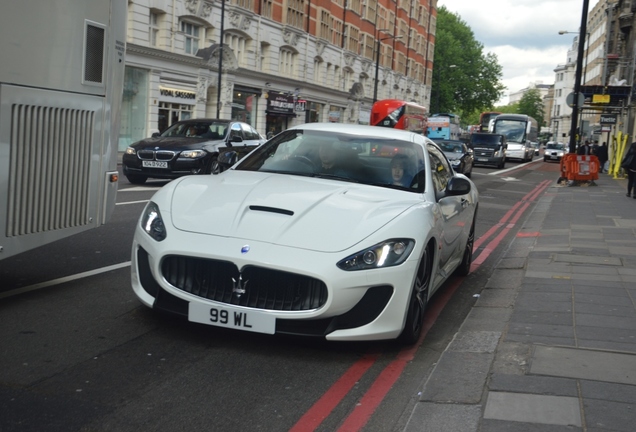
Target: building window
[336, 35]
[170, 113]
[369, 47]
[286, 66]
[382, 22]
[370, 10]
[353, 39]
[245, 4]
[328, 73]
[401, 63]
[266, 8]
[325, 25]
[295, 13]
[347, 77]
[153, 29]
[191, 32]
[238, 45]
[265, 57]
[355, 6]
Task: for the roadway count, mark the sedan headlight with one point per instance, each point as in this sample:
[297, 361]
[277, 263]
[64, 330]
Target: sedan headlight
[152, 223]
[193, 154]
[386, 254]
[131, 151]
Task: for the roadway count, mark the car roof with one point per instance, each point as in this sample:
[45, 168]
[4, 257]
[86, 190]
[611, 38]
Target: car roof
[377, 131]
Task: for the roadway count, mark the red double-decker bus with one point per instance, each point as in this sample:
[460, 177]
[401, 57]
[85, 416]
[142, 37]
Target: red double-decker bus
[399, 114]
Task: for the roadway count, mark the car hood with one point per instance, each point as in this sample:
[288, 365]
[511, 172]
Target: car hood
[299, 212]
[453, 156]
[175, 143]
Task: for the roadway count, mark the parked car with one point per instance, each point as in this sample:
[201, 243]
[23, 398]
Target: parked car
[459, 155]
[489, 148]
[310, 235]
[554, 151]
[187, 147]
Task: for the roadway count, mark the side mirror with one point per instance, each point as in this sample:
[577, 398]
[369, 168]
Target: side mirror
[457, 186]
[236, 139]
[155, 135]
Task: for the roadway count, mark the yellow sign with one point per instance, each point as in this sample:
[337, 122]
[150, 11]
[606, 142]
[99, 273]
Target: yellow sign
[600, 98]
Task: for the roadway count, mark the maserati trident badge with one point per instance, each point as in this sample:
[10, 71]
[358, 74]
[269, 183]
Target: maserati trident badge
[238, 287]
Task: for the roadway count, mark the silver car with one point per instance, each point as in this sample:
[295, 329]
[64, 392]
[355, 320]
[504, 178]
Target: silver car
[554, 151]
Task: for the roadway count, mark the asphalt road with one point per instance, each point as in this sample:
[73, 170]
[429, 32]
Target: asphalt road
[80, 353]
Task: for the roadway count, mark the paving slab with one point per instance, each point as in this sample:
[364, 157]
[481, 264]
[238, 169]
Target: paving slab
[432, 417]
[530, 408]
[587, 259]
[584, 364]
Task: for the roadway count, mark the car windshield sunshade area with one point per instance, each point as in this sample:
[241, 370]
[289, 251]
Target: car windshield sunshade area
[209, 130]
[338, 156]
[486, 140]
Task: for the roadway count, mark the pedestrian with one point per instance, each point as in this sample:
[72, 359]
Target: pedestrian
[629, 165]
[584, 149]
[595, 148]
[602, 156]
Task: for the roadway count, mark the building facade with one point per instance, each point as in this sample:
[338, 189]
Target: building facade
[282, 62]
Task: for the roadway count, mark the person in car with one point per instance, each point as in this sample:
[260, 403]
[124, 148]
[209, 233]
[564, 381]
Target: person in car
[331, 160]
[400, 170]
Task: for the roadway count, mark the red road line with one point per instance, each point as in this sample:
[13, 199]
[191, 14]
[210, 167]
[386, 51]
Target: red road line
[325, 405]
[392, 372]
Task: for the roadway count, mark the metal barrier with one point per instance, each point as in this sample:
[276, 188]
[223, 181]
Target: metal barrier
[579, 168]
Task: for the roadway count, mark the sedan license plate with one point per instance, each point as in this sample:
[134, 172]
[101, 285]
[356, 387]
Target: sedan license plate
[234, 318]
[154, 164]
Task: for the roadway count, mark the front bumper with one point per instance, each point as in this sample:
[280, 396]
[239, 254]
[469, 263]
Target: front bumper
[359, 305]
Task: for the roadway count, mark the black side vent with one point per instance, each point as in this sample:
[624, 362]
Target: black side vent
[94, 55]
[271, 210]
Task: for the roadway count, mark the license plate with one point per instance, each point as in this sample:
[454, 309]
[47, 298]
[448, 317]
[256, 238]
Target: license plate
[234, 318]
[482, 160]
[154, 164]
[554, 157]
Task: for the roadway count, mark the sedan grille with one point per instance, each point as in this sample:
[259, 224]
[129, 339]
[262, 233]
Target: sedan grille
[161, 155]
[263, 288]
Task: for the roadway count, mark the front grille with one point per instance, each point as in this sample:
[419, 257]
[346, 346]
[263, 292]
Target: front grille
[264, 288]
[484, 152]
[160, 155]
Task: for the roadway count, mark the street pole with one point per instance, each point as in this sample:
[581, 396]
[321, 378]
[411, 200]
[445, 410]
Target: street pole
[377, 68]
[218, 85]
[577, 76]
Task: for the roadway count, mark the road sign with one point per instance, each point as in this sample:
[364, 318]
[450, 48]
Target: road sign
[609, 119]
[570, 100]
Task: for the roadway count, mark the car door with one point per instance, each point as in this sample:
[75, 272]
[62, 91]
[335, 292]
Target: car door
[452, 209]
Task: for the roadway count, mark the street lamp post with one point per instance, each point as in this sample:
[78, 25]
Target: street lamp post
[218, 89]
[577, 77]
[587, 52]
[377, 59]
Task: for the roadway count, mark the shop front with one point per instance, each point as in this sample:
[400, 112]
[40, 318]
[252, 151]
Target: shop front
[134, 108]
[280, 109]
[175, 103]
[244, 105]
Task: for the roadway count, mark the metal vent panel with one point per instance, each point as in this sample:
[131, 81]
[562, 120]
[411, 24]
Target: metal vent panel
[94, 55]
[49, 168]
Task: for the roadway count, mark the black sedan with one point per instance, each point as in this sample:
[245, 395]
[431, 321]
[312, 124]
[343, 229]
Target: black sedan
[188, 147]
[459, 155]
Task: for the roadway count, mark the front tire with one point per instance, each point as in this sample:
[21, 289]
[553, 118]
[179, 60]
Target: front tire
[418, 301]
[213, 166]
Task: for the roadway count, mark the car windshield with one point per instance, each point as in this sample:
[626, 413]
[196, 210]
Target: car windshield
[555, 146]
[209, 130]
[449, 147]
[485, 140]
[383, 162]
[513, 130]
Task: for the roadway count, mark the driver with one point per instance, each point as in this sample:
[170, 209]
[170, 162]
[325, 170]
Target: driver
[330, 163]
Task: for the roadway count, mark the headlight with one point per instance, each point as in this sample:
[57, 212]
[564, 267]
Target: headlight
[386, 254]
[131, 151]
[152, 223]
[192, 154]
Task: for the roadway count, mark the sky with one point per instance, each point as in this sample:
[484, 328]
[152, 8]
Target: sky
[523, 34]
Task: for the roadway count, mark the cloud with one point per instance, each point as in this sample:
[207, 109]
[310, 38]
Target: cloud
[524, 34]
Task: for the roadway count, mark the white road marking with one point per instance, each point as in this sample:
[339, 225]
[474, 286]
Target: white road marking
[62, 280]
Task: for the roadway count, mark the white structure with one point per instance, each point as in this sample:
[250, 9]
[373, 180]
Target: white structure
[275, 75]
[538, 85]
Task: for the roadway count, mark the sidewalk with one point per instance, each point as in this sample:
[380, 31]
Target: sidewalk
[551, 342]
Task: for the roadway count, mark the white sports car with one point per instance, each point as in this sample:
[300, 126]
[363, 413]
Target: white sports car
[331, 230]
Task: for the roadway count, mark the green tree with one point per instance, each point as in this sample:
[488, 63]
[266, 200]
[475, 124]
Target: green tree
[465, 79]
[531, 104]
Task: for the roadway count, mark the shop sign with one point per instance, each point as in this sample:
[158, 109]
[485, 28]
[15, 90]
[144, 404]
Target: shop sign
[278, 103]
[334, 116]
[608, 119]
[176, 93]
[301, 105]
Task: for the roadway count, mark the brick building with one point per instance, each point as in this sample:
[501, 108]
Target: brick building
[284, 62]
